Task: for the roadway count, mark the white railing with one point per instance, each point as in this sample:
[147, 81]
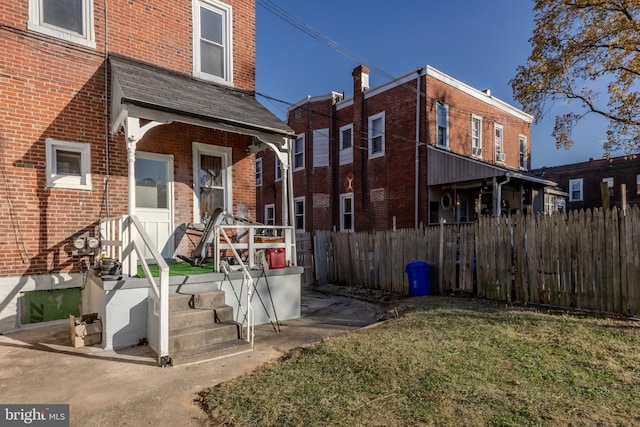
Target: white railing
[250, 238]
[125, 239]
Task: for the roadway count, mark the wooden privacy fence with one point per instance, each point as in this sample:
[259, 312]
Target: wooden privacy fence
[586, 259]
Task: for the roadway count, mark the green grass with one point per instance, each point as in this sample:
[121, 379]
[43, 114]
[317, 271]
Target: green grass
[451, 362]
[178, 269]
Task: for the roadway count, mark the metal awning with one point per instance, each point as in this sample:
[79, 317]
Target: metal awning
[145, 91]
[445, 167]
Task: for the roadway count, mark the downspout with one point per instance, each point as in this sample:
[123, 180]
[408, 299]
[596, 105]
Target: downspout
[500, 184]
[106, 108]
[417, 182]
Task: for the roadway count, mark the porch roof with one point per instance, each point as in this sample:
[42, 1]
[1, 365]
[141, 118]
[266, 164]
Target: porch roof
[445, 167]
[184, 98]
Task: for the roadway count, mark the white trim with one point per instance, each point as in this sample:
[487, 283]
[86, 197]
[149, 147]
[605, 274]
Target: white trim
[310, 99]
[521, 138]
[294, 153]
[343, 197]
[198, 149]
[295, 214]
[88, 39]
[74, 182]
[227, 17]
[372, 118]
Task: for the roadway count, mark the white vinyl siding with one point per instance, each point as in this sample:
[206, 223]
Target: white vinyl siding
[321, 147]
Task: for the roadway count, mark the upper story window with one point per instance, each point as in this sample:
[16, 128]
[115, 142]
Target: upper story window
[476, 136]
[610, 184]
[70, 20]
[68, 164]
[442, 123]
[298, 153]
[376, 135]
[346, 144]
[499, 143]
[258, 172]
[523, 151]
[278, 169]
[212, 41]
[298, 211]
[575, 190]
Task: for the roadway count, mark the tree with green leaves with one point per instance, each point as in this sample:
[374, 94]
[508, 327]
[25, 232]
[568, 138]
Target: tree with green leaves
[586, 52]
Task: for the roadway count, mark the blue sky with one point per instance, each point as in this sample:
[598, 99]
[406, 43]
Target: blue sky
[477, 42]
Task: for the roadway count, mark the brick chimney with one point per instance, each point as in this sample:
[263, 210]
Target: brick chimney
[360, 79]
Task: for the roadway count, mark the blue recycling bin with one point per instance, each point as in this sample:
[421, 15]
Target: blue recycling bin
[418, 274]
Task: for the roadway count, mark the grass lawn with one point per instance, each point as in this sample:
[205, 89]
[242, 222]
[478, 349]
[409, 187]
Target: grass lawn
[451, 362]
[178, 269]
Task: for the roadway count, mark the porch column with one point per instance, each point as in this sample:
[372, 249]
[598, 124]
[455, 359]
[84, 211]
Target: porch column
[131, 171]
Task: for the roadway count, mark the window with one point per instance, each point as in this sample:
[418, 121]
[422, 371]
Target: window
[212, 48]
[499, 143]
[70, 20]
[476, 136]
[68, 164]
[610, 185]
[258, 172]
[346, 212]
[575, 190]
[523, 151]
[212, 180]
[376, 135]
[298, 153]
[298, 205]
[278, 169]
[637, 184]
[270, 214]
[321, 147]
[442, 123]
[346, 144]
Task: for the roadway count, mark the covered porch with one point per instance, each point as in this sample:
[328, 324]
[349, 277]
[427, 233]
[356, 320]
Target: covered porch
[190, 197]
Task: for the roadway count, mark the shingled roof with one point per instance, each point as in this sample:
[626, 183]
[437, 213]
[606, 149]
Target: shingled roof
[149, 86]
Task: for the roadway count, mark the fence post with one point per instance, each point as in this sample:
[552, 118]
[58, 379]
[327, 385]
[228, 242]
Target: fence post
[441, 256]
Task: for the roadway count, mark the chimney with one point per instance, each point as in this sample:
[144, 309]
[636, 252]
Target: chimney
[360, 79]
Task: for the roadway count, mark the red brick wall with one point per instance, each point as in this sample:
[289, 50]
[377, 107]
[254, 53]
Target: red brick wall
[56, 89]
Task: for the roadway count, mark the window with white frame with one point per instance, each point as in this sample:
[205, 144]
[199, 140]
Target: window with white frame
[298, 212]
[270, 214]
[258, 172]
[575, 190]
[522, 141]
[610, 184]
[376, 135]
[499, 143]
[346, 212]
[476, 136]
[212, 41]
[278, 169]
[70, 20]
[346, 144]
[298, 153]
[68, 164]
[442, 124]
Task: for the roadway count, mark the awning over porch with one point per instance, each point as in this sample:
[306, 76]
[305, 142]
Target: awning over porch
[141, 90]
[445, 167]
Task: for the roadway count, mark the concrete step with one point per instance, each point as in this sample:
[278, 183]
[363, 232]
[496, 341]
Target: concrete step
[210, 352]
[209, 299]
[201, 336]
[189, 318]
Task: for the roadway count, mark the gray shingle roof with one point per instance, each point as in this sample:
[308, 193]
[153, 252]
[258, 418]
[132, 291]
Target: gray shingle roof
[154, 87]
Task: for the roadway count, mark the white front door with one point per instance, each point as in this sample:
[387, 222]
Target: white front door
[154, 199]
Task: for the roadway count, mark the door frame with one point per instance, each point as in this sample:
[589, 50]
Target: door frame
[199, 149]
[169, 159]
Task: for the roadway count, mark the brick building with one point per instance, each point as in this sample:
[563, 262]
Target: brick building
[582, 182]
[420, 149]
[140, 108]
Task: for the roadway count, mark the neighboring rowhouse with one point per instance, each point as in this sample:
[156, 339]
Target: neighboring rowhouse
[118, 108]
[417, 150]
[583, 181]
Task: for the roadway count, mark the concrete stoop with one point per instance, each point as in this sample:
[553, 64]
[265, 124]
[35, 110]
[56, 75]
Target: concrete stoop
[201, 327]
